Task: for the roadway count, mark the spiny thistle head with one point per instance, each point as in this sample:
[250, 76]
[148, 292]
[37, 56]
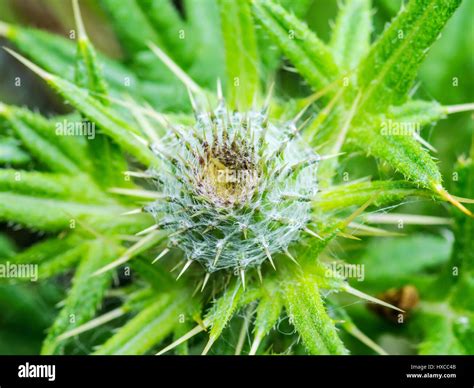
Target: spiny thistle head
[235, 188]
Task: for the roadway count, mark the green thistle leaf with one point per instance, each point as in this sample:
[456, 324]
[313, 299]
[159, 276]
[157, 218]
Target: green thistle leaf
[350, 38]
[222, 311]
[11, 154]
[85, 296]
[269, 310]
[388, 72]
[148, 328]
[308, 314]
[242, 70]
[311, 57]
[131, 25]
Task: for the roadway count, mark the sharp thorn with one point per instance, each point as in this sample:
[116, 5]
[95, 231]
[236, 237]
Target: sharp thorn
[182, 339]
[448, 197]
[259, 273]
[135, 193]
[314, 234]
[186, 266]
[36, 69]
[81, 31]
[359, 210]
[242, 278]
[409, 219]
[177, 71]
[121, 260]
[268, 99]
[218, 254]
[208, 346]
[371, 231]
[206, 279]
[290, 256]
[422, 141]
[192, 101]
[463, 200]
[348, 236]
[141, 140]
[342, 134]
[269, 256]
[369, 298]
[302, 125]
[137, 174]
[326, 157]
[362, 337]
[129, 253]
[147, 230]
[176, 266]
[163, 253]
[301, 113]
[459, 108]
[96, 322]
[220, 95]
[256, 343]
[134, 211]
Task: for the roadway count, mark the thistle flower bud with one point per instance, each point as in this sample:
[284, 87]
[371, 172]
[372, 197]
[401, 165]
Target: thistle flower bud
[235, 188]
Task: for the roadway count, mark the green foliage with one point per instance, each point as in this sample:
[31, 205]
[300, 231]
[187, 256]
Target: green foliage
[84, 297]
[388, 72]
[307, 312]
[57, 55]
[379, 193]
[74, 190]
[239, 37]
[351, 36]
[52, 185]
[311, 57]
[148, 328]
[11, 153]
[38, 136]
[131, 25]
[268, 312]
[223, 310]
